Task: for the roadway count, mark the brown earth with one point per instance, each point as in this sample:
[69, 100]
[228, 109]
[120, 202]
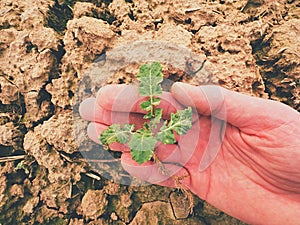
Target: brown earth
[46, 49]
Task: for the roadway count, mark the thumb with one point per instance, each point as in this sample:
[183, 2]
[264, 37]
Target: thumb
[241, 110]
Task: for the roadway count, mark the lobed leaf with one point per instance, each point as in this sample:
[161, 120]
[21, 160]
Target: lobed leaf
[156, 101]
[156, 119]
[150, 77]
[142, 146]
[115, 133]
[165, 135]
[146, 105]
[148, 115]
[181, 121]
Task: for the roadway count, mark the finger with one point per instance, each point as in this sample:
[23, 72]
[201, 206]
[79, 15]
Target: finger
[87, 109]
[152, 173]
[119, 147]
[91, 111]
[95, 129]
[242, 111]
[168, 153]
[125, 98]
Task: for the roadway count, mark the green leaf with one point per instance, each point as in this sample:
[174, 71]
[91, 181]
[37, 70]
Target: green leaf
[145, 127]
[150, 77]
[128, 127]
[146, 105]
[115, 133]
[142, 146]
[148, 116]
[165, 135]
[181, 121]
[156, 101]
[156, 119]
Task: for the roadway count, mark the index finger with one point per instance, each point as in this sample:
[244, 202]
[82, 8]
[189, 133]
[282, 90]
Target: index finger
[251, 114]
[126, 98]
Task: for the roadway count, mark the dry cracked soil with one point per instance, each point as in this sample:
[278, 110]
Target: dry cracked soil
[46, 49]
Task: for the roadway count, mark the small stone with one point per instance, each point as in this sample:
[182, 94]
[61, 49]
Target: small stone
[180, 205]
[93, 204]
[17, 190]
[76, 221]
[114, 216]
[82, 9]
[7, 133]
[30, 205]
[154, 213]
[125, 200]
[112, 188]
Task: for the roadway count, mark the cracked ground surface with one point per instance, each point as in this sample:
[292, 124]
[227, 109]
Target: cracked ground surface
[47, 46]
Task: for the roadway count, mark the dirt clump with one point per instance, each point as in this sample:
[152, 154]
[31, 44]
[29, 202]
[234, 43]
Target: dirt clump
[93, 204]
[48, 50]
[279, 63]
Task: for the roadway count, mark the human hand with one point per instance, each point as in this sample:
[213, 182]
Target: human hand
[256, 174]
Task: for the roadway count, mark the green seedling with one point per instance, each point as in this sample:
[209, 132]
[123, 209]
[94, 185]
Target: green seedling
[142, 141]
[22, 166]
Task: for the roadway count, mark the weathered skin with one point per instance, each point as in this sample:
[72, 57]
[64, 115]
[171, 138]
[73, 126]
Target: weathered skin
[256, 172]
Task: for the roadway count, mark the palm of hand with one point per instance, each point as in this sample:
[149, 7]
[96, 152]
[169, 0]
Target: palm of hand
[248, 169]
[258, 164]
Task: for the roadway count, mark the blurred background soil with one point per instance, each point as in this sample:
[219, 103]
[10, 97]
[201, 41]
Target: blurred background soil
[46, 46]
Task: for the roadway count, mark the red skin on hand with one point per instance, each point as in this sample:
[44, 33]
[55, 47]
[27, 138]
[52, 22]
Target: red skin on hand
[256, 174]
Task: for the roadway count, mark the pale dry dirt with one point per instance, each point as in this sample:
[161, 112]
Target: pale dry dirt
[46, 48]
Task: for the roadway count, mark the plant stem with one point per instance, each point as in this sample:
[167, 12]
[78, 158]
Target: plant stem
[151, 102]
